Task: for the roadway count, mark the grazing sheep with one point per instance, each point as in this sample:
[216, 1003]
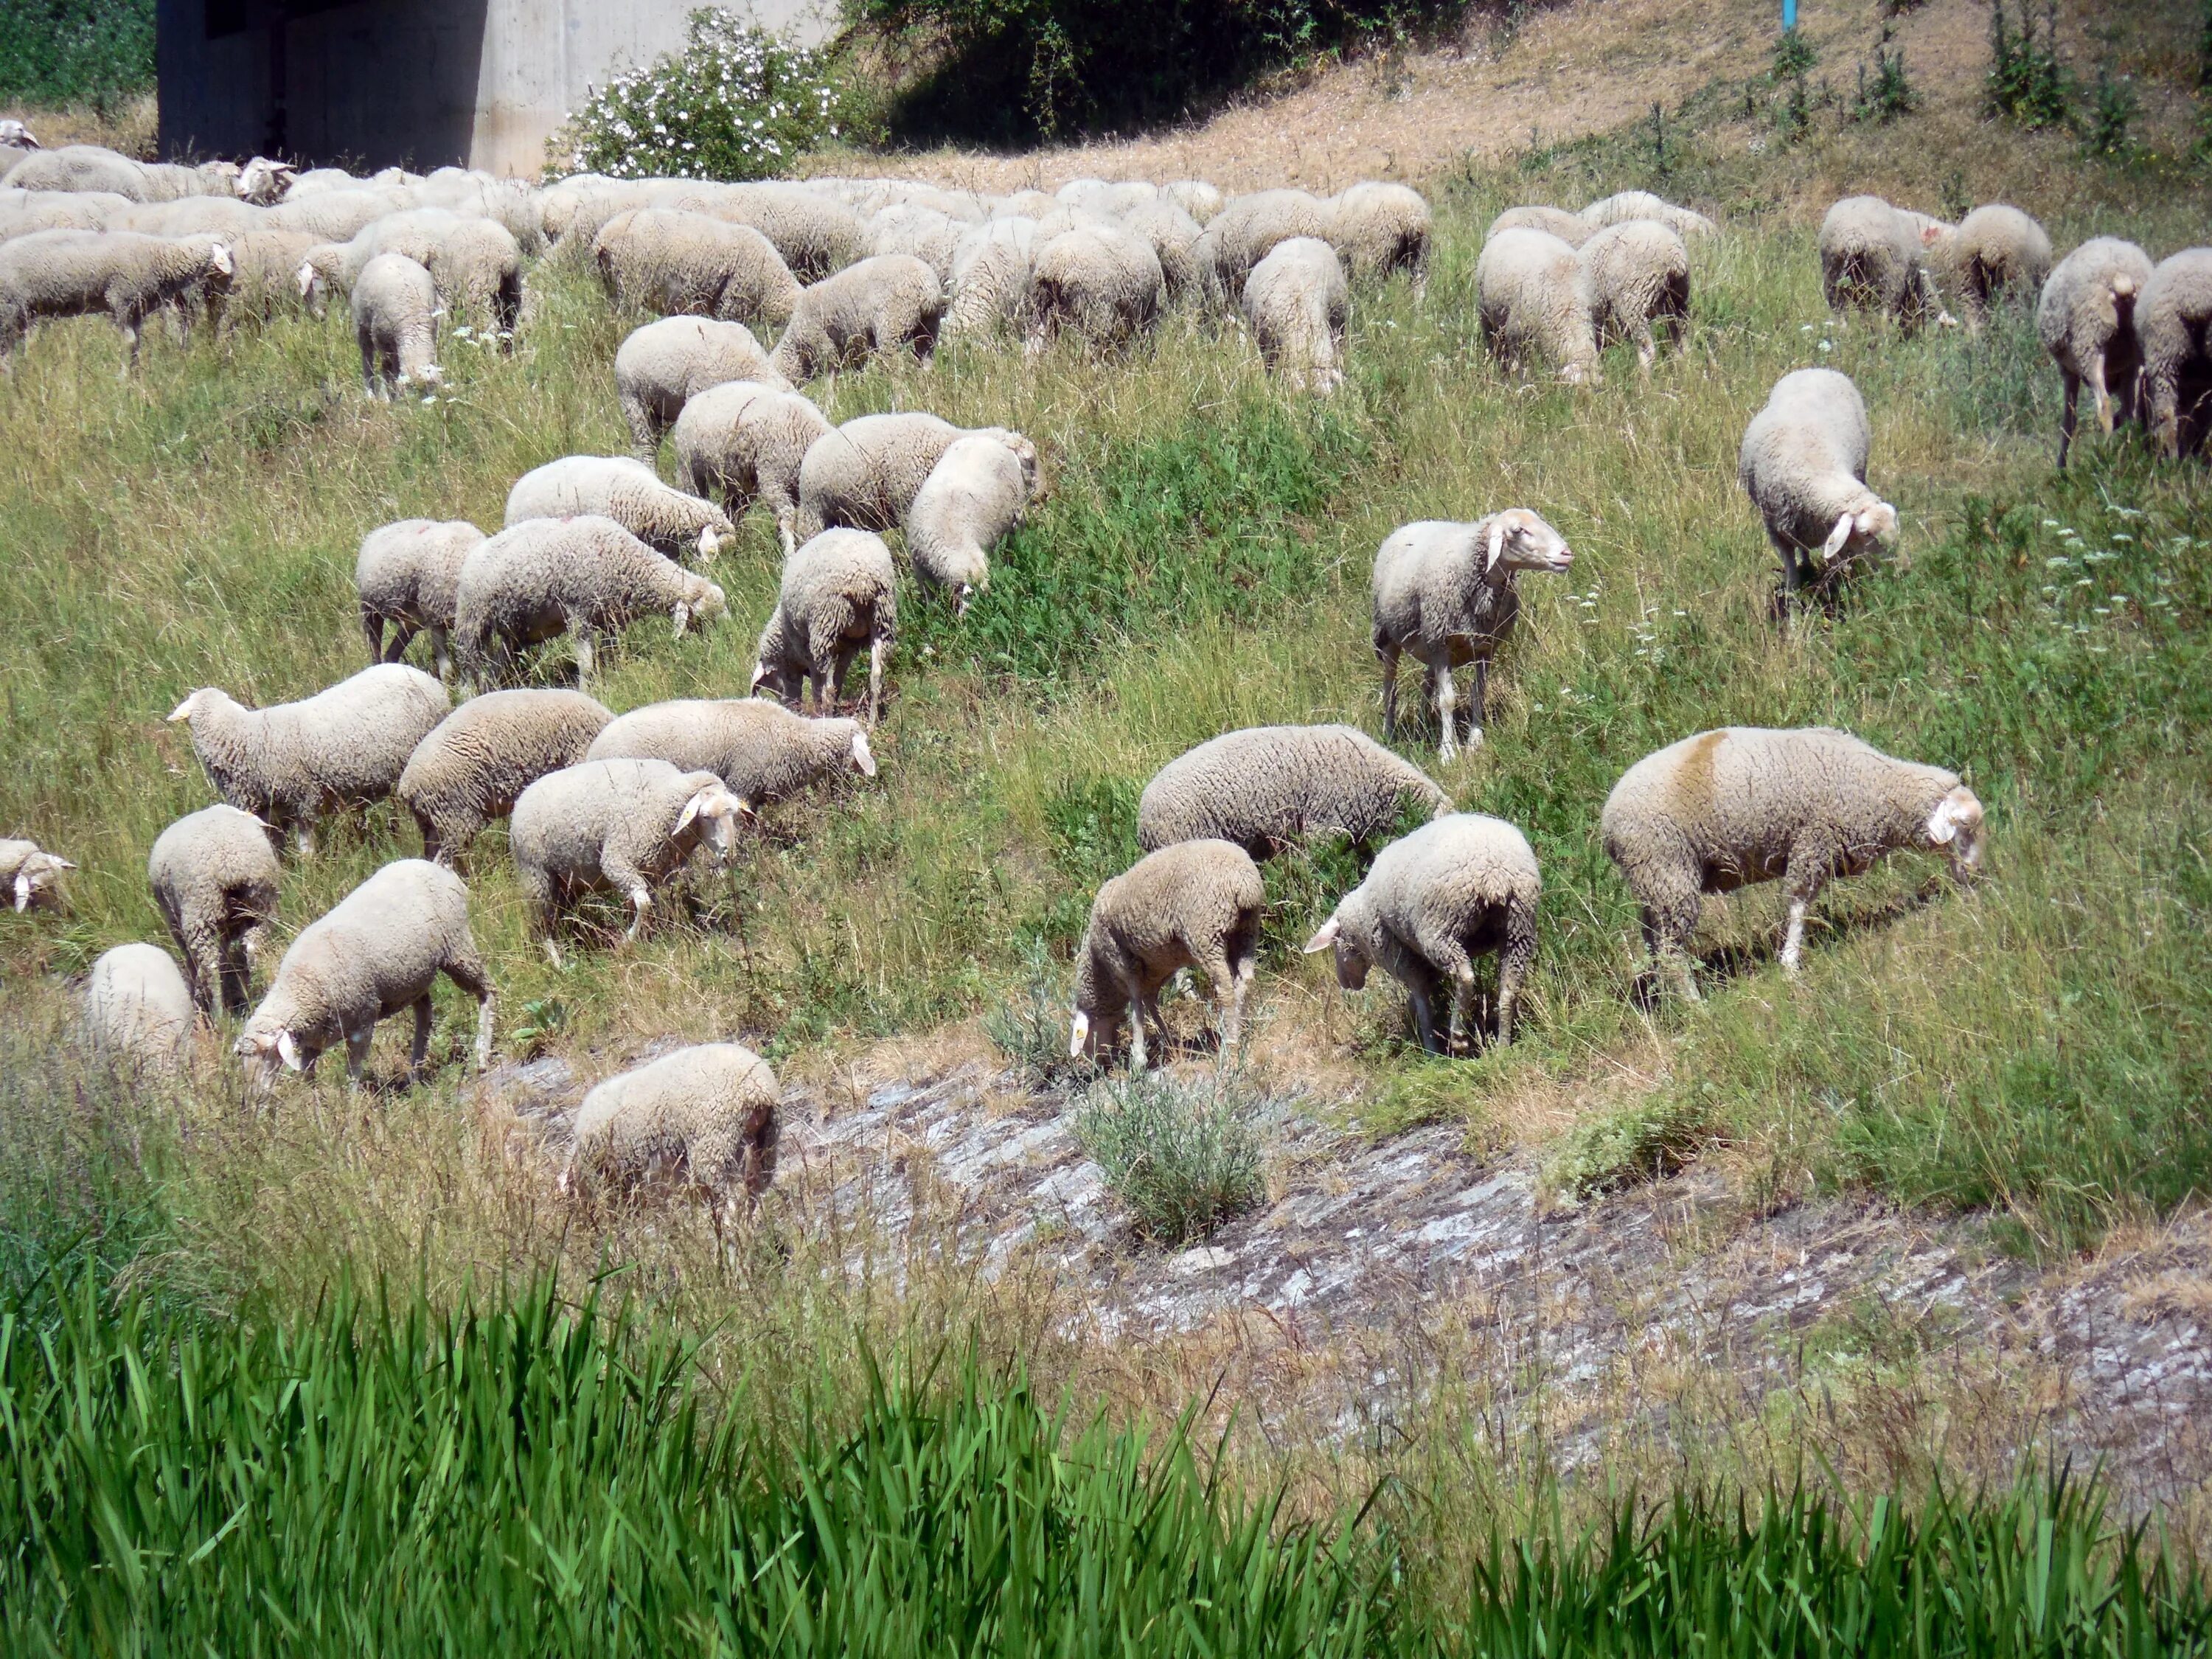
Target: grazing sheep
[1803, 464]
[195, 216]
[1295, 301]
[1269, 787]
[1458, 888]
[1534, 301]
[1570, 227]
[83, 168]
[889, 303]
[378, 951]
[975, 494]
[395, 322]
[476, 262]
[925, 233]
[273, 274]
[130, 277]
[662, 365]
[1995, 249]
[27, 212]
[761, 750]
[1443, 594]
[586, 577]
[2175, 324]
[1196, 904]
[474, 764]
[214, 876]
[138, 1013]
[1247, 227]
[408, 574]
[1382, 228]
[1172, 234]
[840, 592]
[709, 1109]
[991, 272]
[628, 491]
[1106, 200]
[1634, 273]
[691, 264]
[291, 763]
[334, 217]
[1728, 808]
[748, 440]
[620, 826]
[31, 877]
[1631, 204]
[815, 236]
[1022, 204]
[865, 474]
[1874, 256]
[1104, 286]
[2087, 319]
[1195, 197]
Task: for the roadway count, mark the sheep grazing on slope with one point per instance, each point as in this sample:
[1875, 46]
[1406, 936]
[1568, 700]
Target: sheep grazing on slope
[990, 284]
[709, 1110]
[292, 762]
[1247, 227]
[408, 574]
[1381, 228]
[129, 276]
[765, 752]
[865, 474]
[975, 494]
[1458, 888]
[1874, 256]
[1631, 204]
[631, 493]
[1570, 227]
[379, 951]
[1533, 302]
[690, 264]
[2175, 326]
[1103, 286]
[473, 766]
[1803, 464]
[214, 876]
[586, 577]
[1443, 594]
[662, 365]
[815, 236]
[1994, 251]
[1296, 300]
[31, 877]
[1196, 904]
[619, 826]
[2087, 319]
[1270, 786]
[1636, 273]
[882, 305]
[925, 233]
[1725, 809]
[748, 442]
[395, 323]
[840, 593]
[138, 1013]
[1172, 234]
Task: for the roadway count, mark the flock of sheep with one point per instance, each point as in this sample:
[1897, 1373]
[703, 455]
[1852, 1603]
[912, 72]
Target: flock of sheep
[851, 269]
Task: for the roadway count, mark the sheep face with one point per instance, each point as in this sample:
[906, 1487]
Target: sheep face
[200, 702]
[14, 132]
[1955, 826]
[864, 759]
[38, 884]
[780, 680]
[1351, 964]
[266, 1050]
[264, 181]
[719, 810]
[702, 602]
[1860, 531]
[1519, 540]
[1095, 1033]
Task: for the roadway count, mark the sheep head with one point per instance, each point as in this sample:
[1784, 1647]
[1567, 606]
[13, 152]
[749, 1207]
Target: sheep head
[265, 1049]
[38, 884]
[14, 132]
[717, 810]
[1518, 540]
[702, 602]
[1352, 963]
[1955, 825]
[264, 181]
[1857, 529]
[204, 700]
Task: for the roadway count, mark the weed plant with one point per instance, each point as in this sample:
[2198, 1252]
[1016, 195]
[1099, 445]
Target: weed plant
[76, 51]
[1183, 1153]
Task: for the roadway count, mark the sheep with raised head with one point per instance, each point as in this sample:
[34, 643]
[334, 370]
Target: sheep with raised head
[865, 474]
[693, 265]
[840, 593]
[214, 875]
[409, 575]
[630, 493]
[1533, 301]
[1196, 904]
[1636, 273]
[1803, 464]
[473, 765]
[127, 275]
[882, 305]
[395, 322]
[709, 1110]
[31, 877]
[764, 752]
[662, 365]
[748, 440]
[1267, 787]
[2175, 326]
[975, 494]
[138, 1014]
[1876, 257]
[2086, 318]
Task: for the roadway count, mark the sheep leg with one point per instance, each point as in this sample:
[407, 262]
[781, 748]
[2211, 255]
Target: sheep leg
[356, 1044]
[1646, 349]
[1513, 969]
[642, 903]
[1792, 938]
[403, 636]
[1137, 1060]
[441, 655]
[2066, 417]
[1477, 710]
[1424, 1018]
[1447, 712]
[469, 974]
[372, 629]
[418, 1050]
[1228, 998]
[2100, 392]
[303, 837]
[584, 656]
[1388, 653]
[1668, 922]
[878, 647]
[1811, 858]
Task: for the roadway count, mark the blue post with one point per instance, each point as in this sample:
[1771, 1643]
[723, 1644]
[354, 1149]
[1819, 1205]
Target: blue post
[1789, 16]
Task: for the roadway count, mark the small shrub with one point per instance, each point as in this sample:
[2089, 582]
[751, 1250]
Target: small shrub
[1889, 94]
[1648, 1141]
[1794, 56]
[1183, 1155]
[1030, 1025]
[74, 51]
[2108, 120]
[2026, 83]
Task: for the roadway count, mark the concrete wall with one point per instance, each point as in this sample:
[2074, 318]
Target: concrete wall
[420, 83]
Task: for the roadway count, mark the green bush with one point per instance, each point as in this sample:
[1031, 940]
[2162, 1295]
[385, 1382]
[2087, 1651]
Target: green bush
[2026, 81]
[71, 51]
[2108, 119]
[1183, 1155]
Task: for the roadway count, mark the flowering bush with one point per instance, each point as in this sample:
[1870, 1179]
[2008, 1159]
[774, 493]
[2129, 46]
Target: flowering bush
[736, 103]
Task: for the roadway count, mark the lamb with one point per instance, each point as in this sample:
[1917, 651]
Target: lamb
[661, 365]
[585, 576]
[840, 592]
[975, 494]
[2175, 331]
[1875, 256]
[31, 877]
[1443, 593]
[1533, 299]
[1570, 227]
[929, 235]
[628, 491]
[886, 304]
[814, 235]
[378, 951]
[991, 272]
[623, 826]
[748, 440]
[709, 1108]
[1633, 204]
[395, 322]
[1381, 228]
[1246, 231]
[1994, 249]
[477, 762]
[680, 263]
[74, 273]
[1459, 887]
[1104, 285]
[138, 1013]
[1728, 808]
[1269, 787]
[1295, 301]
[292, 762]
[1803, 464]
[866, 473]
[762, 750]
[408, 574]
[1196, 904]
[1633, 273]
[2087, 319]
[214, 876]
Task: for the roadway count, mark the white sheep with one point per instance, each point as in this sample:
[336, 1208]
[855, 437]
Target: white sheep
[1295, 301]
[865, 474]
[990, 270]
[975, 494]
[1102, 285]
[2175, 326]
[765, 752]
[814, 236]
[80, 168]
[840, 593]
[31, 877]
[695, 265]
[709, 1110]
[748, 440]
[1172, 234]
[273, 274]
[395, 322]
[333, 216]
[265, 181]
[408, 574]
[1570, 227]
[1195, 197]
[127, 275]
[27, 212]
[138, 1014]
[214, 875]
[890, 303]
[660, 367]
[476, 262]
[1634, 273]
[1803, 464]
[1876, 257]
[1995, 249]
[630, 493]
[1443, 594]
[1457, 888]
[471, 768]
[1728, 808]
[1633, 204]
[1267, 787]
[378, 951]
[292, 762]
[1247, 227]
[2087, 320]
[1381, 228]
[1534, 300]
[929, 235]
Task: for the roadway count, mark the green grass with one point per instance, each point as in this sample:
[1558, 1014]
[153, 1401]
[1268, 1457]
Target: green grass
[70, 51]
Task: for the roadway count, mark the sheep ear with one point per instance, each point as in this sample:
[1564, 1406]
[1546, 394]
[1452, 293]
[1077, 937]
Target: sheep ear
[1942, 826]
[745, 810]
[288, 1050]
[863, 756]
[1077, 1034]
[1496, 545]
[707, 542]
[690, 811]
[1837, 537]
[183, 709]
[1325, 938]
[22, 893]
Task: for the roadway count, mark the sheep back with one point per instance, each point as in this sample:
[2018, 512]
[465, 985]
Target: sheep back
[472, 767]
[1267, 787]
[710, 1109]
